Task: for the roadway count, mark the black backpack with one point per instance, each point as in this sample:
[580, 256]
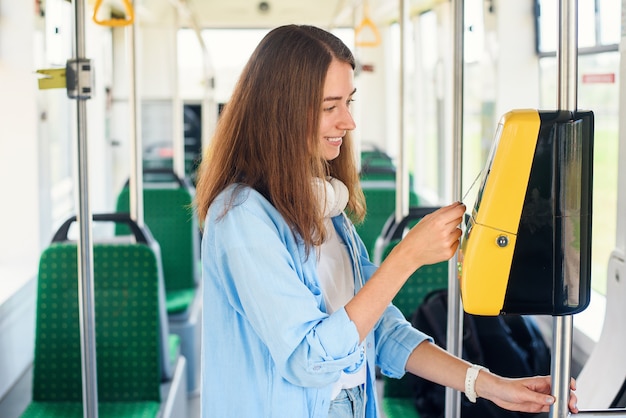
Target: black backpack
[509, 345]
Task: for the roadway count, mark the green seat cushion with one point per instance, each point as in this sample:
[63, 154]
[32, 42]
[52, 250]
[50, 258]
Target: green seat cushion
[398, 388]
[178, 301]
[173, 341]
[105, 410]
[399, 408]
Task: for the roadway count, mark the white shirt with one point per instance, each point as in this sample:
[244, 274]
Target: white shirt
[337, 281]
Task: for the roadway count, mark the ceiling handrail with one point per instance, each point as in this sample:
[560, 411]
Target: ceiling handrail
[367, 23]
[115, 22]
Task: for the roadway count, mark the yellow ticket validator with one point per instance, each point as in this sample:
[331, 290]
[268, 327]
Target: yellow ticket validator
[526, 246]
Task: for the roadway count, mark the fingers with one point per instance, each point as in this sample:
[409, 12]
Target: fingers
[536, 397]
[573, 403]
[447, 218]
[452, 214]
[435, 238]
[573, 399]
[540, 392]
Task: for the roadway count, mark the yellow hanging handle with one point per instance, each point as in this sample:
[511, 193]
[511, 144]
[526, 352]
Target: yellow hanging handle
[130, 15]
[369, 26]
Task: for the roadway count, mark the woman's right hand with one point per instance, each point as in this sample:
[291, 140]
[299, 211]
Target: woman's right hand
[435, 238]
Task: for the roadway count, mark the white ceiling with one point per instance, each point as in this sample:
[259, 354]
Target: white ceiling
[266, 13]
[272, 13]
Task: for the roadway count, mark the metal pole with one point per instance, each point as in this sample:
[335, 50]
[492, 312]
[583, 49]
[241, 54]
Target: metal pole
[135, 182]
[567, 54]
[85, 245]
[178, 162]
[402, 173]
[455, 312]
[561, 364]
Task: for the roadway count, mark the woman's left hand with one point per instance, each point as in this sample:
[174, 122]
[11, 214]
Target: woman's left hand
[529, 394]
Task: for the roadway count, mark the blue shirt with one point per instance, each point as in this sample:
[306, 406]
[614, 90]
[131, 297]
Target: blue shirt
[269, 349]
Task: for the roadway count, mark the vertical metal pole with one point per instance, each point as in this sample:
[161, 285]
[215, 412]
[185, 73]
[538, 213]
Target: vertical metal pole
[178, 162]
[567, 57]
[135, 182]
[561, 365]
[85, 245]
[402, 173]
[455, 312]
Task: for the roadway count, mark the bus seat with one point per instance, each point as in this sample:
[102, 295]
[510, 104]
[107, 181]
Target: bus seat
[168, 213]
[400, 408]
[380, 173]
[380, 198]
[372, 156]
[378, 182]
[132, 341]
[398, 393]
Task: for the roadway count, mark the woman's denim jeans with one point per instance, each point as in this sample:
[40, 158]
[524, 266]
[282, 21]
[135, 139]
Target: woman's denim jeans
[348, 404]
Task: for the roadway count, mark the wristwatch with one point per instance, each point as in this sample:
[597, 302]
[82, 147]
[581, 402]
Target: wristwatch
[470, 381]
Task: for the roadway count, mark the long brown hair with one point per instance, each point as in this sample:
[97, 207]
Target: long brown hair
[267, 135]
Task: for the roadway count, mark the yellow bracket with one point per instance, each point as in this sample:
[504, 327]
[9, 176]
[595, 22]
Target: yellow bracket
[54, 78]
[130, 15]
[366, 26]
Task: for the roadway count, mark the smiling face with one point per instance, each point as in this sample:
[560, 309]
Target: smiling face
[336, 118]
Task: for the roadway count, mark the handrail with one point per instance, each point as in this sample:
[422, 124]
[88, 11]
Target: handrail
[115, 22]
[367, 23]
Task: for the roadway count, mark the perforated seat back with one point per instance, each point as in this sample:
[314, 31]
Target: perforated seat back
[422, 282]
[411, 295]
[168, 214]
[127, 324]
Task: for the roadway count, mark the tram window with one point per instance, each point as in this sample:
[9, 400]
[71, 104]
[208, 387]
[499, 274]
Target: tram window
[586, 23]
[598, 24]
[599, 94]
[603, 99]
[610, 27]
[228, 66]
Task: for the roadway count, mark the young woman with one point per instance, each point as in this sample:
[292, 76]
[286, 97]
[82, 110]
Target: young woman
[295, 316]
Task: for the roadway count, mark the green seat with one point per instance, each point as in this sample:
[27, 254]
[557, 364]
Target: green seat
[378, 181]
[105, 410]
[398, 393]
[169, 215]
[399, 408]
[128, 332]
[377, 169]
[380, 199]
[373, 157]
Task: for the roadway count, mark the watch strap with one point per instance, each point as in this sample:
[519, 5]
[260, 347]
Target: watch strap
[470, 381]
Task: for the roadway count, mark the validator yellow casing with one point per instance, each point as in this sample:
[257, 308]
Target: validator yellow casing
[526, 247]
[500, 199]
